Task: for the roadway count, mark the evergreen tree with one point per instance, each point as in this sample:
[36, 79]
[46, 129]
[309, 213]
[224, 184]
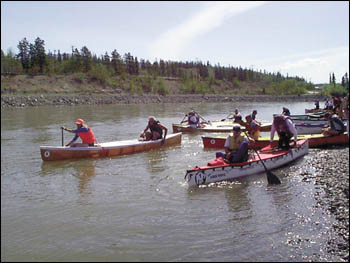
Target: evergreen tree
[86, 57]
[39, 51]
[23, 54]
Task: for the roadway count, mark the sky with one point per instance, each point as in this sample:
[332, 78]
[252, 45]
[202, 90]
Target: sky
[295, 38]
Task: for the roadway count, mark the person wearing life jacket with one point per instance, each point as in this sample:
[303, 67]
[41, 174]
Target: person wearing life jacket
[156, 130]
[84, 132]
[193, 120]
[336, 125]
[285, 130]
[253, 127]
[236, 147]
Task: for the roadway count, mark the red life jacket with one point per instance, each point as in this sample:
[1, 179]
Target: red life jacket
[87, 137]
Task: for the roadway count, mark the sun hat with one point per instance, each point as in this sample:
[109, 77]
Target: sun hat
[79, 121]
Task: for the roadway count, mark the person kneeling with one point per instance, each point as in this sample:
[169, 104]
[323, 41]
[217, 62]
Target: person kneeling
[236, 147]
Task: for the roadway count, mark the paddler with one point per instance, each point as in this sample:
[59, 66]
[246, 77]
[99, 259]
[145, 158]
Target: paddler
[236, 146]
[336, 125]
[193, 120]
[285, 129]
[156, 130]
[253, 127]
[84, 132]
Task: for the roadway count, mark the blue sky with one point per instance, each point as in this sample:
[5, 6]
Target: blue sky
[307, 39]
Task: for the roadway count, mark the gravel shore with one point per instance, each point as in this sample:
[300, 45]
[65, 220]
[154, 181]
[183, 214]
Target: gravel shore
[331, 177]
[8, 100]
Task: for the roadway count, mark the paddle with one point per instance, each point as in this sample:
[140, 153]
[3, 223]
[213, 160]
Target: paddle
[201, 117]
[271, 178]
[183, 119]
[62, 136]
[226, 117]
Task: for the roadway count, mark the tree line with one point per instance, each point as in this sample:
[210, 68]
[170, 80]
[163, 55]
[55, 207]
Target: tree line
[33, 59]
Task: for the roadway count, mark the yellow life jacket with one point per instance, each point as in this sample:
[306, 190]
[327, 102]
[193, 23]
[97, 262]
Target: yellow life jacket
[235, 143]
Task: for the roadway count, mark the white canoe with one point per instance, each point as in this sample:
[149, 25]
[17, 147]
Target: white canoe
[211, 174]
[115, 148]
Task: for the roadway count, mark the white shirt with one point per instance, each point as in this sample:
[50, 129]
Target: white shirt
[291, 127]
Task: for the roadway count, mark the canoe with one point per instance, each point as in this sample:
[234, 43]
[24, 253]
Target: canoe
[107, 149]
[315, 140]
[316, 110]
[223, 172]
[215, 126]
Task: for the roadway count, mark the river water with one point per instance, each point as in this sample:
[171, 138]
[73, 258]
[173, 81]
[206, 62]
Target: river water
[139, 207]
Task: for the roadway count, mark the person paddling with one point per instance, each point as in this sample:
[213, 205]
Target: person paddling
[84, 132]
[253, 127]
[193, 120]
[156, 130]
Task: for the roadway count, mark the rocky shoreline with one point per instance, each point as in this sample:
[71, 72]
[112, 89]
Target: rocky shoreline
[331, 175]
[9, 100]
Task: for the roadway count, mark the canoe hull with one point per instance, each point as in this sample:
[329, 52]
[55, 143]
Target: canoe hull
[315, 140]
[211, 174]
[214, 127]
[53, 153]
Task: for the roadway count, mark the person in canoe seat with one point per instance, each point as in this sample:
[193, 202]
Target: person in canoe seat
[193, 120]
[84, 132]
[285, 129]
[236, 147]
[254, 113]
[336, 125]
[156, 130]
[317, 104]
[285, 111]
[253, 127]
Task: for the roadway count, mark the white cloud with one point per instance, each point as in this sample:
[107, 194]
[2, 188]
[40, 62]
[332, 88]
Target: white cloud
[171, 44]
[313, 66]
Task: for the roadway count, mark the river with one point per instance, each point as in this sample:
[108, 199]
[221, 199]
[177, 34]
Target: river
[139, 207]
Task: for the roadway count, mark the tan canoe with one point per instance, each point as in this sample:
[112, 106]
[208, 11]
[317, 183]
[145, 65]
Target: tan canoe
[52, 153]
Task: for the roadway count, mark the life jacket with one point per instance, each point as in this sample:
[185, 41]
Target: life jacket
[87, 137]
[155, 127]
[255, 134]
[234, 144]
[281, 119]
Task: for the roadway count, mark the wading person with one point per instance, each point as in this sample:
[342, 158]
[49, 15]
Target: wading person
[285, 130]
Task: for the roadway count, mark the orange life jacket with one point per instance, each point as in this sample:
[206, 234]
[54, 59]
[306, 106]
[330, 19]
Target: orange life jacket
[87, 137]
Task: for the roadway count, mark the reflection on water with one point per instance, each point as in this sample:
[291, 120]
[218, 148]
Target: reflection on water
[83, 170]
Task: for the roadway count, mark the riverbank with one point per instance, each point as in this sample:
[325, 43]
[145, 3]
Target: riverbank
[331, 178]
[19, 100]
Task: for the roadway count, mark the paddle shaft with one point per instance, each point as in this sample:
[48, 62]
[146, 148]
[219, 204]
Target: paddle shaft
[62, 136]
[271, 178]
[200, 116]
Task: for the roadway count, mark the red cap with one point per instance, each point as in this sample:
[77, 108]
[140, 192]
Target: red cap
[79, 121]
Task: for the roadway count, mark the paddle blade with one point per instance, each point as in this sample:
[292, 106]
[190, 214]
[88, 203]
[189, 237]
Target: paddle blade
[272, 179]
